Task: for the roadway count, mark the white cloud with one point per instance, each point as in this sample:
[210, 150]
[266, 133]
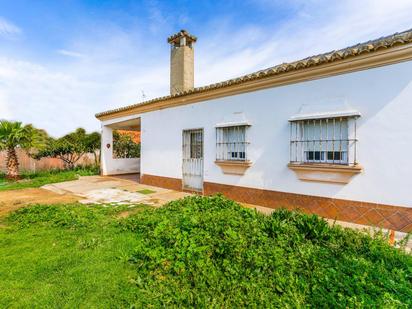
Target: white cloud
[55, 101]
[111, 66]
[8, 29]
[5, 112]
[63, 100]
[70, 53]
[156, 16]
[318, 26]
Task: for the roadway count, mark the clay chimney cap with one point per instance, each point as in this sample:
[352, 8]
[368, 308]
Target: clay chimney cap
[175, 38]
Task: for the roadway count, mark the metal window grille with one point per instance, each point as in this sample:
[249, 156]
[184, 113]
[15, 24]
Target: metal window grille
[231, 143]
[196, 144]
[329, 140]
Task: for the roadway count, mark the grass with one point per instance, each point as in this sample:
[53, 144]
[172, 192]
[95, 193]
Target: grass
[66, 256]
[38, 179]
[196, 252]
[146, 191]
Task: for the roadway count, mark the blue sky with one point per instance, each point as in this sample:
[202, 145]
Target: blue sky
[63, 61]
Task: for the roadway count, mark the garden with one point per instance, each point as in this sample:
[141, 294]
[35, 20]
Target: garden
[69, 149]
[194, 252]
[29, 179]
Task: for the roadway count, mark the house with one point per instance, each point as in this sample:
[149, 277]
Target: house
[330, 134]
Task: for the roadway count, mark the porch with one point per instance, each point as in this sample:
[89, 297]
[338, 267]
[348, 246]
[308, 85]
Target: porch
[120, 153]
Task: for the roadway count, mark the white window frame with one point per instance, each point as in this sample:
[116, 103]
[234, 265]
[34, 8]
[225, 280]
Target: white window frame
[232, 143]
[319, 140]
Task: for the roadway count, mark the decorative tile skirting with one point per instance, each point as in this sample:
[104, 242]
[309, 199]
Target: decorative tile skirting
[385, 216]
[163, 182]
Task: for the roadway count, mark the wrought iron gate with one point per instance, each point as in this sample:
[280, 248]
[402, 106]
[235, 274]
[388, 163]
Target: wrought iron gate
[192, 165]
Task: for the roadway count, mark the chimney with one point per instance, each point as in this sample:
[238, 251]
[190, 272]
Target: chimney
[181, 61]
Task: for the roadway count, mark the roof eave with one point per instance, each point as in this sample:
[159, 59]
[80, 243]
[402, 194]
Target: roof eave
[388, 47]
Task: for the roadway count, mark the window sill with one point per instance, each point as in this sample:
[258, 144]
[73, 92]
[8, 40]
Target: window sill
[233, 167]
[325, 172]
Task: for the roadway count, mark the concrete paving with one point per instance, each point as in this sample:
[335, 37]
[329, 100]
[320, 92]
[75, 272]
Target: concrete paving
[114, 190]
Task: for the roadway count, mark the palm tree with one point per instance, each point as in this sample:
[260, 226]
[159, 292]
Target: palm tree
[13, 135]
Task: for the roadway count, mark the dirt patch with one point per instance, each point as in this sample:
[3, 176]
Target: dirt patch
[123, 214]
[131, 211]
[15, 199]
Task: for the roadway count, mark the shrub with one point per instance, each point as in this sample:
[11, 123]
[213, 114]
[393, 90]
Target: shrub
[209, 251]
[71, 147]
[124, 146]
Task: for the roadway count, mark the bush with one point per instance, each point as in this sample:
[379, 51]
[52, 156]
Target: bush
[124, 146]
[212, 252]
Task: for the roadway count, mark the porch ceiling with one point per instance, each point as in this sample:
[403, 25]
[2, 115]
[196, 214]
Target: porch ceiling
[129, 125]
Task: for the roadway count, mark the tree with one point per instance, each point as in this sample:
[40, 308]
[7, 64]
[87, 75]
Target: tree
[93, 142]
[124, 146]
[71, 147]
[15, 134]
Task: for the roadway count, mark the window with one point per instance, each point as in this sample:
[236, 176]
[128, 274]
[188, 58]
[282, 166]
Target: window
[328, 140]
[196, 144]
[231, 143]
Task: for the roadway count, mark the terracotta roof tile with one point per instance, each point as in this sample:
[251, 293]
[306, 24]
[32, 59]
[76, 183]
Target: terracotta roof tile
[352, 51]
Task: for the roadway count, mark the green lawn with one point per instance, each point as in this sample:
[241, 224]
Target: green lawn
[196, 252]
[66, 256]
[38, 179]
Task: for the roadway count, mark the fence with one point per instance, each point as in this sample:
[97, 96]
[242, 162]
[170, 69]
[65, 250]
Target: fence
[26, 163]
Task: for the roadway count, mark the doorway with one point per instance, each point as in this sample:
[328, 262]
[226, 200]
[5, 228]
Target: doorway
[192, 165]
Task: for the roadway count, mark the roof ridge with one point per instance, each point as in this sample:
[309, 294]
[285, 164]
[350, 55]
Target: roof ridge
[388, 41]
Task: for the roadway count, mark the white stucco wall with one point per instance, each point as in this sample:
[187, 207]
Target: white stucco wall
[382, 95]
[111, 166]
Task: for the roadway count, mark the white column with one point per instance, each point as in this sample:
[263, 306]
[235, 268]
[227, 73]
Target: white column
[107, 149]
